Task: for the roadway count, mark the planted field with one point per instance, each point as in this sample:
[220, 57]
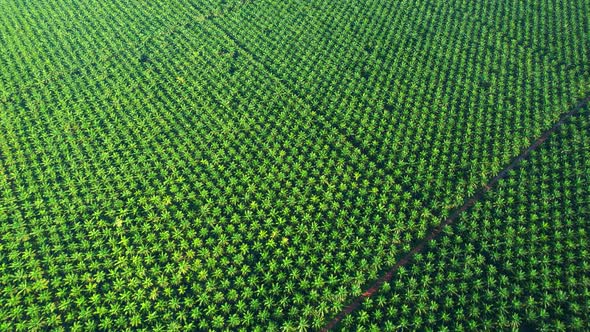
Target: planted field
[258, 165]
[519, 258]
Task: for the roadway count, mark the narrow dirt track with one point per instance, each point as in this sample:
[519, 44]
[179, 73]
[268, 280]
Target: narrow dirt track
[454, 216]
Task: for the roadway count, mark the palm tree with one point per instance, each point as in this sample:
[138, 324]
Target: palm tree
[302, 325]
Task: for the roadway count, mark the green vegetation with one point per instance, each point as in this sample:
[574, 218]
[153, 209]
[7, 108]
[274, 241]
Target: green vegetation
[254, 165]
[442, 94]
[519, 259]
